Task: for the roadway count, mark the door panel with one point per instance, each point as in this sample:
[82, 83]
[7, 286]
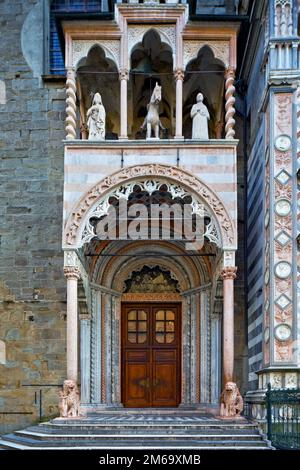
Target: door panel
[138, 387]
[151, 355]
[164, 384]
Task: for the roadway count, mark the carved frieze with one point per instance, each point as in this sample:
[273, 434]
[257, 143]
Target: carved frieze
[283, 113]
[179, 183]
[81, 48]
[151, 280]
[136, 32]
[281, 229]
[220, 49]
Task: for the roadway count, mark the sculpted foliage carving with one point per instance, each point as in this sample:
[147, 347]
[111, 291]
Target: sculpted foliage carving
[185, 184]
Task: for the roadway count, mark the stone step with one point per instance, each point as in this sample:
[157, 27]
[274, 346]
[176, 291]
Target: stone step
[147, 436]
[5, 445]
[103, 433]
[70, 424]
[13, 440]
[141, 430]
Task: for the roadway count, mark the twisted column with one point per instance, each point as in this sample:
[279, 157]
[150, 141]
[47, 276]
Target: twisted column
[228, 275]
[123, 77]
[179, 76]
[72, 274]
[71, 105]
[229, 103]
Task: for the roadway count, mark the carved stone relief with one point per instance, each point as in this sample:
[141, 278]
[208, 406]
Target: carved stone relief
[135, 34]
[150, 280]
[180, 183]
[220, 49]
[81, 47]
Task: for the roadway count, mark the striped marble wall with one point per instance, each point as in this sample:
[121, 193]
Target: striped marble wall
[213, 162]
[255, 202]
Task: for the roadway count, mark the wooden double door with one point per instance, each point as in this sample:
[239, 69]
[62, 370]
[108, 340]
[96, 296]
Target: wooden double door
[151, 355]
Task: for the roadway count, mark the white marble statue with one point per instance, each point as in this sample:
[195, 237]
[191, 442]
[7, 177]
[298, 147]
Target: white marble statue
[200, 116]
[96, 119]
[152, 121]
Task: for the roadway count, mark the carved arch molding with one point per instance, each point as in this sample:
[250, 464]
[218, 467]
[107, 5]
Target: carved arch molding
[95, 203]
[112, 47]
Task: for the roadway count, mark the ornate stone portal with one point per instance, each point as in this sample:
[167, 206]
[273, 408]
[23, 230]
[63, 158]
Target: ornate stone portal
[100, 328]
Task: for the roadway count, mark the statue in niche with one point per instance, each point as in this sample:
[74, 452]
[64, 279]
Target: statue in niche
[152, 120]
[200, 116]
[96, 119]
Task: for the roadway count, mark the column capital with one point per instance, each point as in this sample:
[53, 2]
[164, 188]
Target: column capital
[84, 316]
[229, 72]
[179, 74]
[72, 272]
[71, 73]
[123, 74]
[229, 272]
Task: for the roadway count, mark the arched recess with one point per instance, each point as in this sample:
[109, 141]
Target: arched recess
[151, 61]
[95, 203]
[113, 271]
[205, 74]
[98, 73]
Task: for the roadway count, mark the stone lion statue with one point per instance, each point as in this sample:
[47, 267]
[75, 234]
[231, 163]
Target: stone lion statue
[69, 402]
[231, 401]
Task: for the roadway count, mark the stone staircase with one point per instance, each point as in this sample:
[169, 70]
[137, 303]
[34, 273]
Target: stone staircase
[139, 431]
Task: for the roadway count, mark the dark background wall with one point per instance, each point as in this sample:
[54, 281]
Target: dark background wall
[32, 286]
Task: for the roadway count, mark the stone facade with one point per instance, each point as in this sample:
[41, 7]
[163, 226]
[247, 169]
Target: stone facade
[32, 288]
[44, 183]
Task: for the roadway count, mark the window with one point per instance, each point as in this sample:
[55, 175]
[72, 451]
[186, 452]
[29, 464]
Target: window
[70, 8]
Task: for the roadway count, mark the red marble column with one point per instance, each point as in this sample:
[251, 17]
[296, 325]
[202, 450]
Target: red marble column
[228, 275]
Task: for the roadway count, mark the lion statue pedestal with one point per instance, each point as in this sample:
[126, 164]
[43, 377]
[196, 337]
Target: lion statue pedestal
[231, 401]
[69, 401]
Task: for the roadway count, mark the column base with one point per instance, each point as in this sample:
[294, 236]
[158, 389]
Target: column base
[178, 137]
[122, 137]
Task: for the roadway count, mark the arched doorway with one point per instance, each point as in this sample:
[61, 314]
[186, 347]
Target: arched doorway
[114, 274]
[122, 276]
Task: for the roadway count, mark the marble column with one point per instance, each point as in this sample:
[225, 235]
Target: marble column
[72, 274]
[228, 276]
[71, 105]
[123, 77]
[85, 365]
[179, 76]
[215, 354]
[229, 103]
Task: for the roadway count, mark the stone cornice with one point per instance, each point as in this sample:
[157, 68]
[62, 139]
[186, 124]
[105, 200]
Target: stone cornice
[162, 143]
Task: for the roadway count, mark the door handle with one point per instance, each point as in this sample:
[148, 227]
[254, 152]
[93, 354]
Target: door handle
[145, 383]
